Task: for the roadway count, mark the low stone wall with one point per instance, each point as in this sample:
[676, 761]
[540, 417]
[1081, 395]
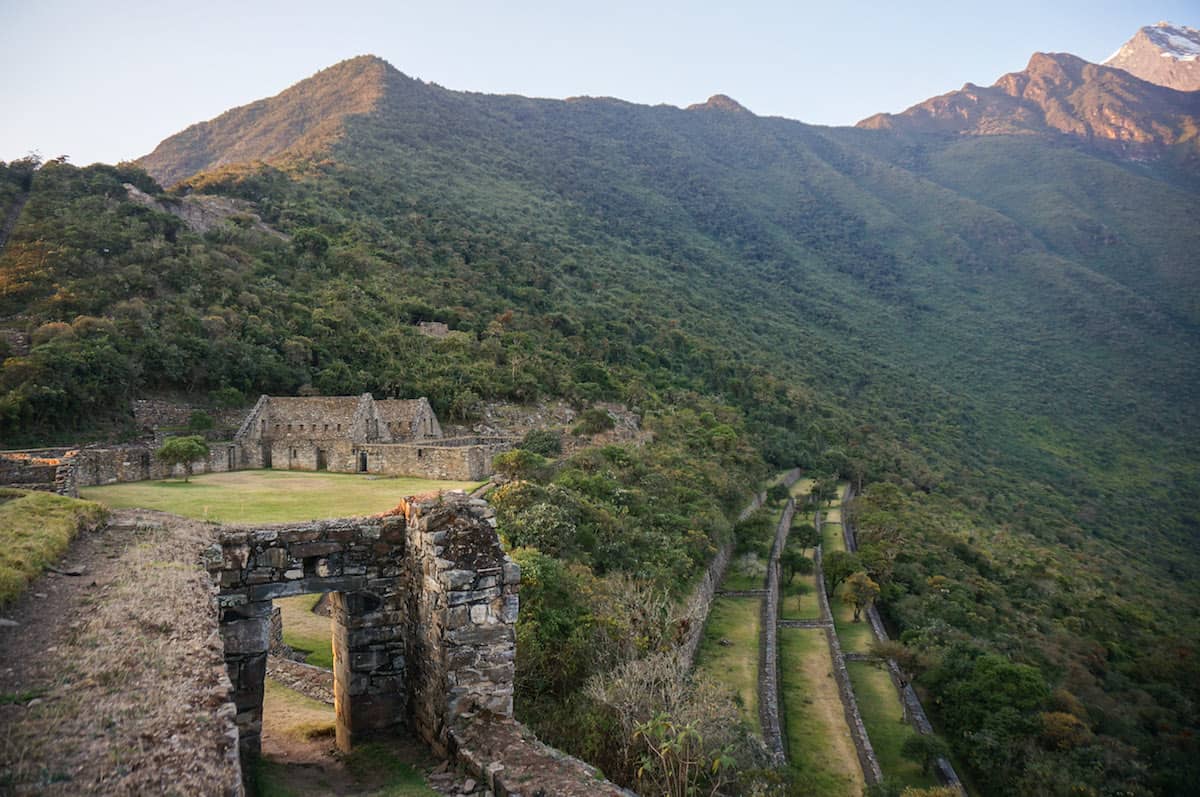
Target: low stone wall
[858, 731]
[509, 761]
[134, 463]
[310, 681]
[32, 469]
[768, 666]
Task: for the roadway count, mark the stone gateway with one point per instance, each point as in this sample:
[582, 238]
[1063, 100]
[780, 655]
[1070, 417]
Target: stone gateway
[424, 609]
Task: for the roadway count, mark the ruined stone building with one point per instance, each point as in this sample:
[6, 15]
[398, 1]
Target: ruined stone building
[341, 434]
[359, 434]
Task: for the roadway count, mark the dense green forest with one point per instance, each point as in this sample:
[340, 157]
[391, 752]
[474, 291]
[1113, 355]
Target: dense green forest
[996, 337]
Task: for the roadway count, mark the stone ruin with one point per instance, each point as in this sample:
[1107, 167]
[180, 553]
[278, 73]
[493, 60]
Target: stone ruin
[424, 605]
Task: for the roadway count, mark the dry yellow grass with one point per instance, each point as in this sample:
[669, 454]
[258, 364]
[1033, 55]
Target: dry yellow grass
[127, 665]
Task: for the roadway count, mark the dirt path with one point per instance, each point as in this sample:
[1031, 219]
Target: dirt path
[111, 681]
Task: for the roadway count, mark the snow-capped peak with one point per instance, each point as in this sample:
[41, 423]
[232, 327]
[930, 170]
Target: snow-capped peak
[1178, 42]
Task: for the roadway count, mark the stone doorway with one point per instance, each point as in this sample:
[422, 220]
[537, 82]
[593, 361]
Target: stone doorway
[322, 462]
[362, 461]
[424, 605]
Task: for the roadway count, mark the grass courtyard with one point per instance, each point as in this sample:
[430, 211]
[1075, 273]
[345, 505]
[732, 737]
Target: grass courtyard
[268, 496]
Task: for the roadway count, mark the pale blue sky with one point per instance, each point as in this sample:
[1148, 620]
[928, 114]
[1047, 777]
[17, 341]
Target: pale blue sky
[108, 80]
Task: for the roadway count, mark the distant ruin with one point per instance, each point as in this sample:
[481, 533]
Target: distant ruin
[360, 434]
[340, 434]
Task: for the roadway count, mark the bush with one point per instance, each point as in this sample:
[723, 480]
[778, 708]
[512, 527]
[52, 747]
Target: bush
[519, 464]
[593, 421]
[199, 421]
[546, 442]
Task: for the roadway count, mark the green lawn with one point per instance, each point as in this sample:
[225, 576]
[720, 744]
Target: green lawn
[306, 632]
[798, 600]
[268, 496]
[820, 749]
[831, 537]
[35, 529]
[737, 620]
[879, 704]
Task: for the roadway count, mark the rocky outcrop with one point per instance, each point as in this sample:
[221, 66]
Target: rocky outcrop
[204, 212]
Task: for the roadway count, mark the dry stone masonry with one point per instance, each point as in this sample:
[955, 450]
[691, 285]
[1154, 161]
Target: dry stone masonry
[424, 604]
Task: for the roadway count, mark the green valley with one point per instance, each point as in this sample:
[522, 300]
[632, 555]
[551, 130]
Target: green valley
[995, 339]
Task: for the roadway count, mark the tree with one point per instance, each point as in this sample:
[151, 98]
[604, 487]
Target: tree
[860, 592]
[804, 536]
[778, 493]
[838, 566]
[795, 562]
[824, 488]
[182, 451]
[925, 749]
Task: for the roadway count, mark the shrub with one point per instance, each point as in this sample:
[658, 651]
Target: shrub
[593, 420]
[546, 442]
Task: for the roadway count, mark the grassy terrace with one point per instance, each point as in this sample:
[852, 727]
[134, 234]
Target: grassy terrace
[268, 496]
[855, 637]
[820, 748]
[35, 529]
[879, 704]
[798, 600]
[737, 620]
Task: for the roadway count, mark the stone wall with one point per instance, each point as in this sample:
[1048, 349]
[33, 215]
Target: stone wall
[699, 602]
[310, 681]
[459, 459]
[768, 676]
[858, 731]
[151, 415]
[32, 469]
[424, 604]
[133, 463]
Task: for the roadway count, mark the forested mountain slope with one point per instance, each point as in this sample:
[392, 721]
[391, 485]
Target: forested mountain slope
[998, 334]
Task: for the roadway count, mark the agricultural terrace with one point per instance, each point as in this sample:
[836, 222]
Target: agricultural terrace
[879, 705]
[729, 651]
[269, 496]
[820, 748]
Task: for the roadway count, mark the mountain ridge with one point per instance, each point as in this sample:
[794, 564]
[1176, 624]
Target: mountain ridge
[1062, 94]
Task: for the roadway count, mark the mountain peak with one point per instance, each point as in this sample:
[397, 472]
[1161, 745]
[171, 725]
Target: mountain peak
[1164, 53]
[720, 102]
[303, 118]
